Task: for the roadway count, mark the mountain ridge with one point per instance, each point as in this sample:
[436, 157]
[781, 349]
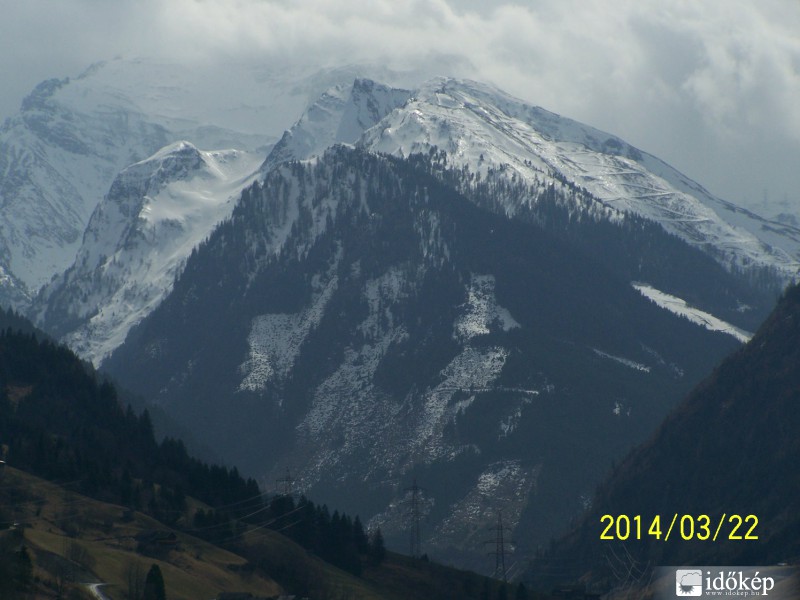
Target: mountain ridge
[363, 111]
[480, 126]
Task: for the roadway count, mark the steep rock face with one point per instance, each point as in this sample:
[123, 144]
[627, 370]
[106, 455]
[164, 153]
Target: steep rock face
[339, 116]
[363, 323]
[55, 165]
[156, 212]
[730, 448]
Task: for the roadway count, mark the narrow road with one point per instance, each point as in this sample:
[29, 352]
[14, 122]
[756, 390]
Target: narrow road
[94, 590]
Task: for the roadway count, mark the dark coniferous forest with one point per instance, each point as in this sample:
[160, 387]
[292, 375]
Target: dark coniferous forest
[62, 421]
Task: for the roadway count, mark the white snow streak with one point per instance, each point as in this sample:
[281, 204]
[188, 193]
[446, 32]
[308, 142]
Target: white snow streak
[503, 486]
[631, 364]
[679, 307]
[275, 341]
[471, 371]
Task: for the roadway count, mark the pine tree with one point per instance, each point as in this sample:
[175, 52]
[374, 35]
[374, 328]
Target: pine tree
[522, 592]
[360, 537]
[154, 585]
[24, 567]
[377, 549]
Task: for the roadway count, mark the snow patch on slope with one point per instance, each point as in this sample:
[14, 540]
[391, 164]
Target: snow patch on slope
[275, 339]
[473, 370]
[502, 487]
[509, 423]
[349, 413]
[355, 415]
[679, 307]
[482, 310]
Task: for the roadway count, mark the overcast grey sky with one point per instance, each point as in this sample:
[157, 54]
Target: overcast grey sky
[711, 86]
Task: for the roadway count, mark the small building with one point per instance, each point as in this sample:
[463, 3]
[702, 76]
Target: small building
[156, 540]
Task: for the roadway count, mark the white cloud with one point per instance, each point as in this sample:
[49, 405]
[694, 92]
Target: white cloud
[711, 87]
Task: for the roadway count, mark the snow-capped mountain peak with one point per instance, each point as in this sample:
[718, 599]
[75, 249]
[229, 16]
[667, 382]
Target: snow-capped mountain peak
[339, 116]
[137, 240]
[73, 135]
[482, 128]
[71, 138]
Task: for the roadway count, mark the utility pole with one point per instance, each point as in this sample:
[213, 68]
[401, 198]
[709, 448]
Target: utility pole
[499, 550]
[416, 537]
[286, 481]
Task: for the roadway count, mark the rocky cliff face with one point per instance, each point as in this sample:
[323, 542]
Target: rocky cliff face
[138, 238]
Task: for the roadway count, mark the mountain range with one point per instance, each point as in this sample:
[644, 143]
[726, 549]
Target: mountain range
[61, 152]
[480, 128]
[433, 282]
[137, 240]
